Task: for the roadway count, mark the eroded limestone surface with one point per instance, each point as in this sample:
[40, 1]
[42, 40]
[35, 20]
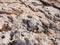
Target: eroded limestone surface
[29, 22]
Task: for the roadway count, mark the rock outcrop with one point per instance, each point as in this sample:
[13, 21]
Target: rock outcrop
[29, 22]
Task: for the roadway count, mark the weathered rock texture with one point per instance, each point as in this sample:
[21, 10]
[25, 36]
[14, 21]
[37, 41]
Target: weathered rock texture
[29, 22]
